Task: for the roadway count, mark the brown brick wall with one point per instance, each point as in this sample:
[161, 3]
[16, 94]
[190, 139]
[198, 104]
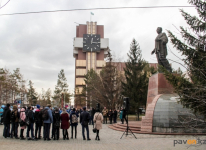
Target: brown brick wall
[100, 55]
[81, 55]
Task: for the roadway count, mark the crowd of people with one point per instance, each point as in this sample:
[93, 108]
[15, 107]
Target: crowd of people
[51, 120]
[111, 115]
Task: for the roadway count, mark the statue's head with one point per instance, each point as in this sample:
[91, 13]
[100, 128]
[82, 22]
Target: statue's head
[159, 30]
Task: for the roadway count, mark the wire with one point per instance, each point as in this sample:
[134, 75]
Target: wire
[5, 4]
[36, 12]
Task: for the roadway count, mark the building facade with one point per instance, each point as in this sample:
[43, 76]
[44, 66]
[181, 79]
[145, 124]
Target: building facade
[89, 50]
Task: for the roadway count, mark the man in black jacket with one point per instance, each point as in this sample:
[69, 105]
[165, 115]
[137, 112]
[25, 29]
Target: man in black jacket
[6, 116]
[84, 119]
[38, 122]
[30, 115]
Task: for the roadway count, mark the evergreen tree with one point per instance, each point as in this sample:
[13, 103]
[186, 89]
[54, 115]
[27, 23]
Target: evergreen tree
[31, 94]
[80, 98]
[16, 77]
[136, 78]
[109, 80]
[92, 89]
[2, 79]
[104, 88]
[48, 95]
[5, 86]
[192, 92]
[61, 87]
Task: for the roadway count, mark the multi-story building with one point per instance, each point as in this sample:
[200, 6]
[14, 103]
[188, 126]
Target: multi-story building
[90, 49]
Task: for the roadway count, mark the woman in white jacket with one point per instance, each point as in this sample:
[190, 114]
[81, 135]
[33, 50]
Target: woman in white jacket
[98, 120]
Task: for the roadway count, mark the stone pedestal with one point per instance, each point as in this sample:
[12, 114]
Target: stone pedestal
[158, 85]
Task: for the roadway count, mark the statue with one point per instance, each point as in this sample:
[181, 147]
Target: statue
[161, 49]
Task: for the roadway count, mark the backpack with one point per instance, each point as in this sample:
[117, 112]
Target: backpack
[21, 122]
[13, 118]
[74, 118]
[45, 114]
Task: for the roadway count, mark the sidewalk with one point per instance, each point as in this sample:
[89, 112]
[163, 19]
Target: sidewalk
[109, 140]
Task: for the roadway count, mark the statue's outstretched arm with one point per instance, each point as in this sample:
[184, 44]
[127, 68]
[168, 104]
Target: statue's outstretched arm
[153, 52]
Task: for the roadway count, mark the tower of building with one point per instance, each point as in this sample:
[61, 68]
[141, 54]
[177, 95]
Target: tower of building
[89, 50]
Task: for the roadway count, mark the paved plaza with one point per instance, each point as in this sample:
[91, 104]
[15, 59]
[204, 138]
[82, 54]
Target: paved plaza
[109, 140]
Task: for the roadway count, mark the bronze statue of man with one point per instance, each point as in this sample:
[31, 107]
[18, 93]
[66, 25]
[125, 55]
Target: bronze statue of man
[161, 49]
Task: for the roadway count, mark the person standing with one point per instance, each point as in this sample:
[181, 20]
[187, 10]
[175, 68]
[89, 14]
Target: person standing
[6, 116]
[48, 119]
[77, 111]
[30, 116]
[121, 116]
[74, 122]
[53, 111]
[56, 123]
[115, 116]
[104, 112]
[92, 116]
[80, 111]
[98, 119]
[23, 124]
[84, 120]
[124, 115]
[60, 111]
[14, 122]
[38, 122]
[1, 113]
[65, 124]
[110, 115]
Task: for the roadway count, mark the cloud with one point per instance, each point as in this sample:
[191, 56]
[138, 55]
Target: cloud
[42, 44]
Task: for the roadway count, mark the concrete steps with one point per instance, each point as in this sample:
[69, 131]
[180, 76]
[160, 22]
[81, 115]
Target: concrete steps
[134, 126]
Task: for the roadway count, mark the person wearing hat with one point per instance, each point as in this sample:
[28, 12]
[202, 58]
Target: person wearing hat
[84, 120]
[6, 116]
[38, 121]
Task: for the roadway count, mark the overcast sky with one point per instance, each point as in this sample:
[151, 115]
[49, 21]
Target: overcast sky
[42, 44]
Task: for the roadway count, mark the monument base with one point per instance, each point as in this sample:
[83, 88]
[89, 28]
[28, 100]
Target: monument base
[163, 112]
[158, 84]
